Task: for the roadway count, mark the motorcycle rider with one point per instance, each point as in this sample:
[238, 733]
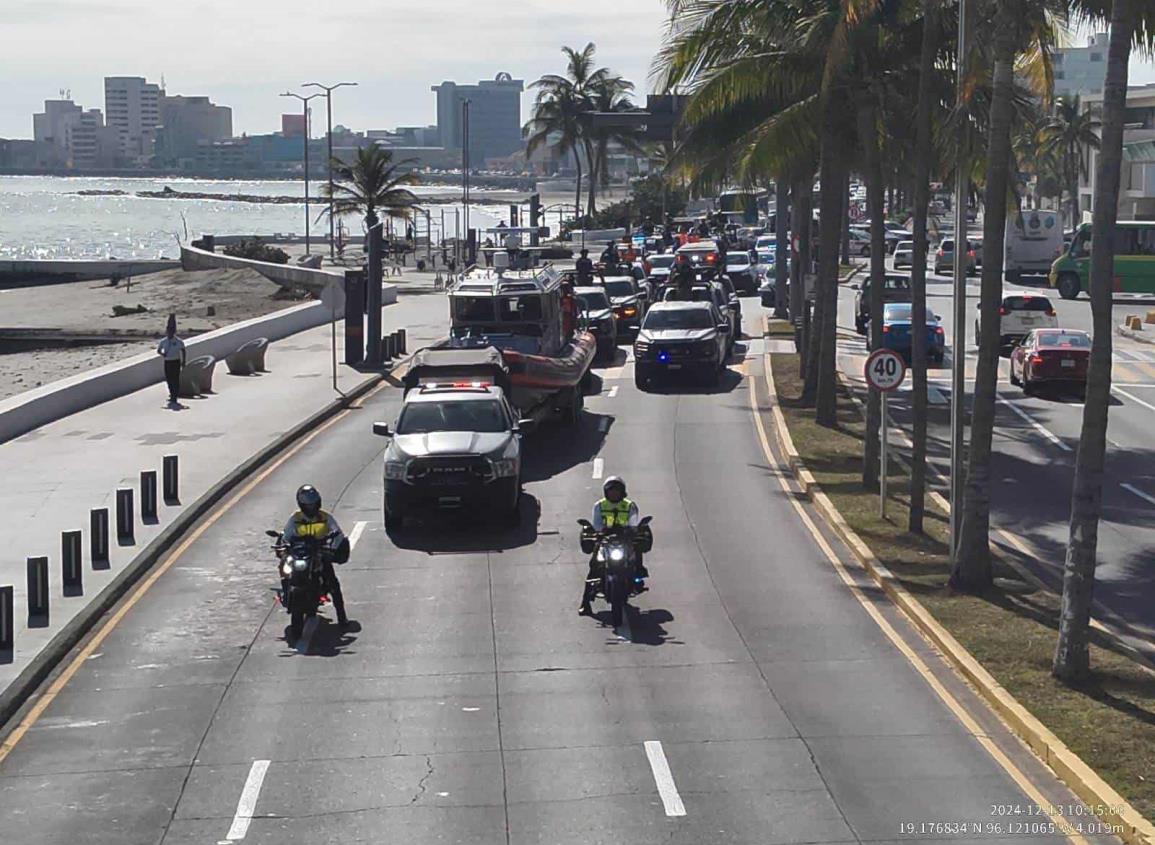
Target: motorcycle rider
[585, 269]
[613, 510]
[311, 521]
[610, 258]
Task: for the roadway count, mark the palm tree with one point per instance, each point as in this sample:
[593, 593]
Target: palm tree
[607, 93]
[1072, 661]
[372, 183]
[1066, 136]
[1015, 23]
[558, 112]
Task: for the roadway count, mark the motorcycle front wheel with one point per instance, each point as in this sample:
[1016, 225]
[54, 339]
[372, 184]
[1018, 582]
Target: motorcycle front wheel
[296, 624]
[618, 593]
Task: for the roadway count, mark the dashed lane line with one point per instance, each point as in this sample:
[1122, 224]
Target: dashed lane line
[613, 392]
[248, 802]
[1035, 424]
[599, 467]
[664, 778]
[1131, 488]
[355, 534]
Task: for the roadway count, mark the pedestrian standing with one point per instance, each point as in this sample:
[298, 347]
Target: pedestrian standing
[171, 349]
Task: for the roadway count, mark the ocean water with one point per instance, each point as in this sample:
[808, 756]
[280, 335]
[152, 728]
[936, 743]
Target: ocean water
[45, 217]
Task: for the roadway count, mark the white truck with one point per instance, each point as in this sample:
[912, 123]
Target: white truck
[1034, 239]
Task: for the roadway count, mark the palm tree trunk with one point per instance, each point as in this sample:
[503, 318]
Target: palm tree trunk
[834, 177]
[596, 165]
[922, 164]
[972, 567]
[783, 292]
[577, 200]
[875, 200]
[800, 217]
[1072, 661]
[844, 234]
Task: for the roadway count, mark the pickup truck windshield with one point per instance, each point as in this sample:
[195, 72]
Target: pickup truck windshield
[696, 318]
[593, 301]
[620, 289]
[484, 417]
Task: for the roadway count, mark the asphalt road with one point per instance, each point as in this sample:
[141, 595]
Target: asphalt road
[1036, 440]
[753, 698]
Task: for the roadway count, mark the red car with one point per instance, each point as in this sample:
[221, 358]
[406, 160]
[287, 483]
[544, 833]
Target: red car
[1054, 357]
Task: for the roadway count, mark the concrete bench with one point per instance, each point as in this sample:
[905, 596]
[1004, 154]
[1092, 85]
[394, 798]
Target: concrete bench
[196, 378]
[249, 359]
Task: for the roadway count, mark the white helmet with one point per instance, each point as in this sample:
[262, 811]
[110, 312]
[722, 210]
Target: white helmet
[614, 481]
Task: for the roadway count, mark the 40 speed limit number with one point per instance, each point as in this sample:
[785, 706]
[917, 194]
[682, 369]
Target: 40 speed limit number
[885, 370]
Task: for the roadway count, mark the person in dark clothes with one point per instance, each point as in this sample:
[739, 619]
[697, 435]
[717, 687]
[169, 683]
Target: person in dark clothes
[171, 349]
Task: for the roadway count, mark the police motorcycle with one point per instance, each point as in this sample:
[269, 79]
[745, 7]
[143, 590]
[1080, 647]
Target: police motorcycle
[616, 553]
[302, 568]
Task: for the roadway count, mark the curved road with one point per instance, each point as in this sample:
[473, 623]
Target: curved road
[758, 697]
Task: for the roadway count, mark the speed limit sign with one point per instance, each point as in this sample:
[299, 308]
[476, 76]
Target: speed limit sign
[885, 370]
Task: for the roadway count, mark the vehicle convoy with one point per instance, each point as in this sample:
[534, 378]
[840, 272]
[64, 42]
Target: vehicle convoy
[302, 569]
[681, 338]
[1034, 239]
[616, 554]
[506, 366]
[1134, 264]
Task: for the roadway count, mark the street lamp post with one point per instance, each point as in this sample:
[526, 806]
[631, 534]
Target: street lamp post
[329, 89]
[305, 112]
[465, 174]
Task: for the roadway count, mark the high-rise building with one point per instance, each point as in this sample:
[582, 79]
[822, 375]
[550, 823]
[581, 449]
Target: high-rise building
[293, 125]
[132, 106]
[494, 116]
[1081, 70]
[186, 122]
[79, 134]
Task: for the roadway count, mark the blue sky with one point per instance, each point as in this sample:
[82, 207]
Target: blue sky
[243, 53]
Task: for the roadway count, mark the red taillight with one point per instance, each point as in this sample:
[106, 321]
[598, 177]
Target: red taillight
[885, 329]
[970, 253]
[938, 330]
[941, 253]
[1037, 360]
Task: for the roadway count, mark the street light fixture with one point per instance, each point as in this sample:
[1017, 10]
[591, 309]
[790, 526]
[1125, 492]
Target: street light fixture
[305, 111]
[329, 89]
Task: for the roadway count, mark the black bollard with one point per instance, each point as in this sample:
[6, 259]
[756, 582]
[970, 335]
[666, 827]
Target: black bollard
[71, 564]
[389, 347]
[401, 341]
[7, 643]
[148, 495]
[37, 592]
[125, 519]
[171, 480]
[98, 537]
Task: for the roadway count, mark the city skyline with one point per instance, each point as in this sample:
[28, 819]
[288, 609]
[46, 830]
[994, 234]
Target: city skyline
[251, 63]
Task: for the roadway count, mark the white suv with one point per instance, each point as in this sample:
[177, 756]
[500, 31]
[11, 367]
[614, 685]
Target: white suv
[1019, 314]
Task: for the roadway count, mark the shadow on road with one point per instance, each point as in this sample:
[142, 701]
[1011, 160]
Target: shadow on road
[465, 532]
[555, 448]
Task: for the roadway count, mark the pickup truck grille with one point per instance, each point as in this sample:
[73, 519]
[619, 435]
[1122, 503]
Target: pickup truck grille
[449, 471]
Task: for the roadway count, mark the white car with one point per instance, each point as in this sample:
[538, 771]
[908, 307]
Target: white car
[1020, 313]
[904, 254]
[765, 242]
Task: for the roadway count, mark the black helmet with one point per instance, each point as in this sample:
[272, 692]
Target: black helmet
[309, 500]
[614, 481]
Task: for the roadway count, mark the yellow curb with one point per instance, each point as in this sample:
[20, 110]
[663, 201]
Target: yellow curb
[1096, 793]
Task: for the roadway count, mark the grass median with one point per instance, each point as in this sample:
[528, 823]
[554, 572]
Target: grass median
[1109, 723]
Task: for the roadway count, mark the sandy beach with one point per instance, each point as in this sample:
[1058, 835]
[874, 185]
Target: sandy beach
[232, 296]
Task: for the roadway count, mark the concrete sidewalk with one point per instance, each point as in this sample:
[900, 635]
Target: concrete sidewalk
[54, 475]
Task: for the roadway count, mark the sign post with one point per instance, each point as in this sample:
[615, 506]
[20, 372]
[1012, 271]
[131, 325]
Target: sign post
[885, 370]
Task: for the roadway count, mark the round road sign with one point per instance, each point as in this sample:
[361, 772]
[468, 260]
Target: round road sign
[885, 370]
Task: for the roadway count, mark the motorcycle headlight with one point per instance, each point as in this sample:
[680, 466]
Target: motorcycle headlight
[394, 470]
[300, 564]
[617, 555]
[504, 467]
[286, 569]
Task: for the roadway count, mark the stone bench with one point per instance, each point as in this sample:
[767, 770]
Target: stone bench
[196, 377]
[249, 358]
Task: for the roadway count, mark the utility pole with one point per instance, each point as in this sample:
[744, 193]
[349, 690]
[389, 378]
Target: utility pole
[465, 163]
[329, 89]
[305, 112]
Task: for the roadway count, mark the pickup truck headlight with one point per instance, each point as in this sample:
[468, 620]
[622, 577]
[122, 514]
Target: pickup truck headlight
[504, 467]
[395, 470]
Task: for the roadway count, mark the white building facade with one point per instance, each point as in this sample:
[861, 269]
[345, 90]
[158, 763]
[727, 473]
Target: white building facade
[132, 106]
[1081, 70]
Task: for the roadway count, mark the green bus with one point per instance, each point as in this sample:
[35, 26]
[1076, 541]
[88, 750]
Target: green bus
[1134, 260]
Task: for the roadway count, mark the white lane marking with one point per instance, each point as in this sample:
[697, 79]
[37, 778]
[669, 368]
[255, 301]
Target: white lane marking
[604, 425]
[1038, 426]
[599, 467]
[1134, 399]
[248, 801]
[613, 391]
[1131, 488]
[307, 635]
[664, 779]
[355, 534]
